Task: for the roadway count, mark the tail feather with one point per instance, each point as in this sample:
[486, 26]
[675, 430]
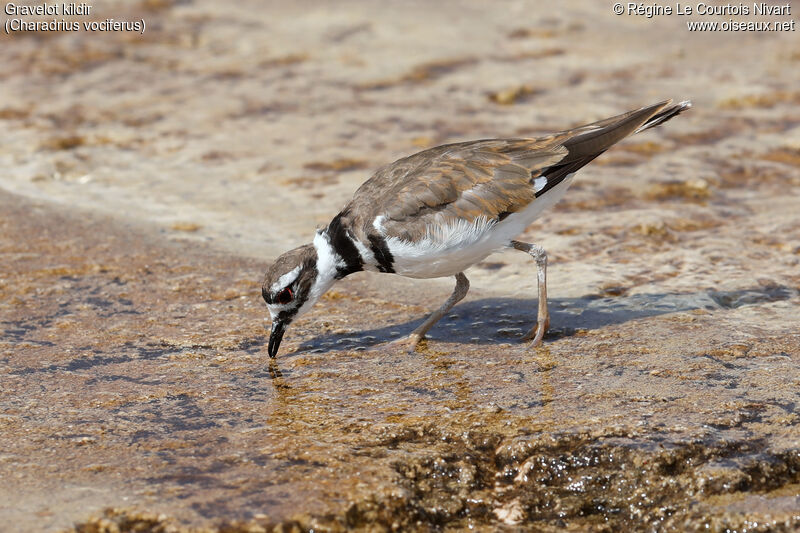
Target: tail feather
[672, 110]
[595, 138]
[585, 143]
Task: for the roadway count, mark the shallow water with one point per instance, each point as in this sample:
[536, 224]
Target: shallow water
[155, 176]
[648, 409]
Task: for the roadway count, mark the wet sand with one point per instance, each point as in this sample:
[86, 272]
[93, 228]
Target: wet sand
[148, 182]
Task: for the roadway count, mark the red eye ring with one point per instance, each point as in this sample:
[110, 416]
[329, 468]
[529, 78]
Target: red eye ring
[285, 296]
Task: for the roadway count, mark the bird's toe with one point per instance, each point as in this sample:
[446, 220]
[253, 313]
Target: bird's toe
[409, 343]
[535, 335]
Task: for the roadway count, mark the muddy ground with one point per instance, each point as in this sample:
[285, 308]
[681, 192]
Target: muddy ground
[148, 180]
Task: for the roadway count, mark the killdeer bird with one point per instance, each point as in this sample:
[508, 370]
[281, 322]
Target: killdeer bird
[440, 211]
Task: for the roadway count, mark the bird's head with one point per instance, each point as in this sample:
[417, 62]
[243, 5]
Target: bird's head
[291, 286]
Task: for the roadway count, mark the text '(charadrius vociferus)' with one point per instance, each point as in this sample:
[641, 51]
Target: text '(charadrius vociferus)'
[440, 211]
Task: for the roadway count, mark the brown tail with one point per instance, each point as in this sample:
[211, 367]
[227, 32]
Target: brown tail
[595, 138]
[587, 142]
[671, 110]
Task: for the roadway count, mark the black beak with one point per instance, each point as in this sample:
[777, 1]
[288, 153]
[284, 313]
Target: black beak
[275, 337]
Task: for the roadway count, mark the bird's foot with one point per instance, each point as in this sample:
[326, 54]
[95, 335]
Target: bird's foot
[536, 334]
[410, 343]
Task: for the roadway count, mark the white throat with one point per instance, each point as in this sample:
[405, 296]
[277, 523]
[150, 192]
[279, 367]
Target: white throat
[328, 264]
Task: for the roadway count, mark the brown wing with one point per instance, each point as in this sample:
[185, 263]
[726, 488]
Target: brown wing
[465, 181]
[490, 178]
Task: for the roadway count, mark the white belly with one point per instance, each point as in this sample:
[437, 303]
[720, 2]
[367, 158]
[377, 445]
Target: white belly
[450, 248]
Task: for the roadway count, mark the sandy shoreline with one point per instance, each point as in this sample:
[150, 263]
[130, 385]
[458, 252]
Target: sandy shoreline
[147, 181]
[173, 409]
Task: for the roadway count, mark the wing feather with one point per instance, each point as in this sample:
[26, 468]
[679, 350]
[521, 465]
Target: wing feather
[487, 178]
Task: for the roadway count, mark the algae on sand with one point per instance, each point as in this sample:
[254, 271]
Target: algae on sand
[151, 178]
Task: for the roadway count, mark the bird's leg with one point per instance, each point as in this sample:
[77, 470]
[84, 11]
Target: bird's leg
[543, 316]
[462, 286]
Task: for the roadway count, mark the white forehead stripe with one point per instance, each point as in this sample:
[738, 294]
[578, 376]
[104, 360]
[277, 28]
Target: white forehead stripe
[286, 279]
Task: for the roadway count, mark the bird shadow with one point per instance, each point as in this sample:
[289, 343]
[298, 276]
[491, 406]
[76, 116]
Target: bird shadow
[504, 320]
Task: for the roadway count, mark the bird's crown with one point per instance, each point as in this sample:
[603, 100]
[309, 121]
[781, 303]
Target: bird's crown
[289, 279]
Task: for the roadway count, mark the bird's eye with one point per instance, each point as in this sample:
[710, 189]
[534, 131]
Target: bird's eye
[285, 296]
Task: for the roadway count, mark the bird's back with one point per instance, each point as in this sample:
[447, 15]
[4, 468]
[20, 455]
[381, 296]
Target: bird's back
[454, 196]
